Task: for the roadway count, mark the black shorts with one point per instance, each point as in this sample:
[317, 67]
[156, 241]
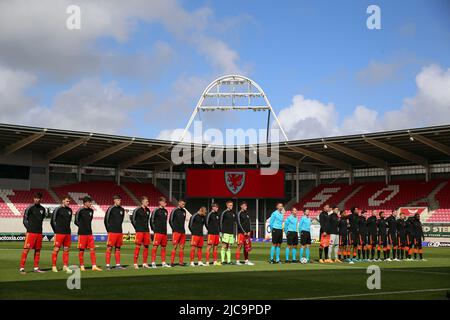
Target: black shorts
[372, 239]
[292, 238]
[305, 238]
[277, 236]
[417, 241]
[343, 239]
[409, 240]
[383, 240]
[402, 240]
[362, 239]
[392, 238]
[353, 238]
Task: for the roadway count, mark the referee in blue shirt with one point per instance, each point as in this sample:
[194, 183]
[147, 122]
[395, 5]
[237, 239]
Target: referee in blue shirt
[276, 228]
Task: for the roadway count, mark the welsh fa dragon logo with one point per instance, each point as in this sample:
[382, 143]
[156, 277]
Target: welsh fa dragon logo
[235, 181]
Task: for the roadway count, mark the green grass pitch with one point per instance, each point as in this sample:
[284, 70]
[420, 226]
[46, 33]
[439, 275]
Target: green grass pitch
[399, 280]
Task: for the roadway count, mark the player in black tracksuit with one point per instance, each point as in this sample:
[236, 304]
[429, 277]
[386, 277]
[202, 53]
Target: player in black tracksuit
[382, 236]
[372, 238]
[60, 223]
[353, 220]
[212, 223]
[362, 236]
[418, 236]
[196, 223]
[343, 236]
[140, 221]
[177, 222]
[409, 237]
[243, 227]
[392, 234]
[401, 237]
[83, 220]
[227, 228]
[333, 219]
[158, 223]
[324, 221]
[32, 220]
[113, 224]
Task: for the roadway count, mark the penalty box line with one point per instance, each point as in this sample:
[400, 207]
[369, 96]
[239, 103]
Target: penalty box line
[371, 294]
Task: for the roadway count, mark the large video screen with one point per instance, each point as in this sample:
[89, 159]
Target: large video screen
[233, 183]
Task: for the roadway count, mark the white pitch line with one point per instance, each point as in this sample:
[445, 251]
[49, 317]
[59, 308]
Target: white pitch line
[372, 294]
[383, 268]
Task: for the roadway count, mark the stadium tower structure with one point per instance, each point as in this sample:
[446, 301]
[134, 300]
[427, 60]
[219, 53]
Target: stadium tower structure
[234, 93]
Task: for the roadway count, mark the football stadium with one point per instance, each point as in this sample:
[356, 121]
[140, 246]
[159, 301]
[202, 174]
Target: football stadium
[141, 159]
[407, 171]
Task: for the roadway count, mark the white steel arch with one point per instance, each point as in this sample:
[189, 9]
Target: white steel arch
[221, 94]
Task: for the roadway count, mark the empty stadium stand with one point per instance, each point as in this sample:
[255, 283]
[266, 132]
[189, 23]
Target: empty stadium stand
[13, 203]
[376, 196]
[145, 189]
[101, 192]
[369, 196]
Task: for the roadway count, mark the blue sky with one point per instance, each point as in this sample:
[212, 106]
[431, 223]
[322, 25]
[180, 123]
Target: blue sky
[139, 69]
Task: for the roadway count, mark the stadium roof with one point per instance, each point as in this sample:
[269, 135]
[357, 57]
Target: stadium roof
[420, 146]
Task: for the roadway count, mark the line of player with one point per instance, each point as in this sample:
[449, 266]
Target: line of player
[351, 237]
[220, 226]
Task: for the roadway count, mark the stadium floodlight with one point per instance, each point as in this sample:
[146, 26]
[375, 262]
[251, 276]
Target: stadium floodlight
[234, 93]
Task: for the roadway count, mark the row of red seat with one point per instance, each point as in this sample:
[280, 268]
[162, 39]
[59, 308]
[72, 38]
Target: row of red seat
[13, 203]
[369, 196]
[374, 195]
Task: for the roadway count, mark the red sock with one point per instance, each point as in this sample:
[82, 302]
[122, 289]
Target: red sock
[37, 256]
[245, 254]
[23, 258]
[154, 249]
[145, 254]
[93, 258]
[108, 255]
[117, 255]
[163, 254]
[181, 255]
[192, 254]
[54, 258]
[81, 257]
[66, 258]
[238, 254]
[199, 254]
[207, 254]
[136, 254]
[172, 256]
[215, 253]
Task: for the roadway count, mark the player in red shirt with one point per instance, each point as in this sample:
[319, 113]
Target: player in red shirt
[32, 220]
[196, 224]
[83, 220]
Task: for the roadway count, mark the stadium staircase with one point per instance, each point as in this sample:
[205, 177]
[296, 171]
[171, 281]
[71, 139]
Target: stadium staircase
[54, 195]
[132, 196]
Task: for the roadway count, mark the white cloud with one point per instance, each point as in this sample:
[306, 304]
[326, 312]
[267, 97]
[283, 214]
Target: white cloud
[307, 118]
[34, 36]
[377, 72]
[89, 105]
